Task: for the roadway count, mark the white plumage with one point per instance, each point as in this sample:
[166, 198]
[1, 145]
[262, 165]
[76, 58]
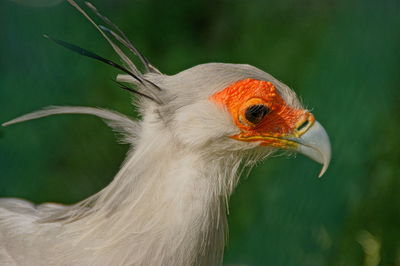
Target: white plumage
[167, 204]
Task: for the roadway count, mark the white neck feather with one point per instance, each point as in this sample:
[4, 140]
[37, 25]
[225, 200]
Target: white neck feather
[166, 206]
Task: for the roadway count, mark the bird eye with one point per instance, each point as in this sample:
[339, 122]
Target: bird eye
[256, 113]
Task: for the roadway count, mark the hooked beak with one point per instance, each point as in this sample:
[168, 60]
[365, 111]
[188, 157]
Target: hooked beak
[315, 144]
[309, 139]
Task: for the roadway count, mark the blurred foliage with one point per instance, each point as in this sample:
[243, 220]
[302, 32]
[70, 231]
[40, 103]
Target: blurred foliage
[342, 57]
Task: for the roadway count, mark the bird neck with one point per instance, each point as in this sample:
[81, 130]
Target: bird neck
[167, 204]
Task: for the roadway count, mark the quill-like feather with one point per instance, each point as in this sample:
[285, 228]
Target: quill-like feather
[118, 122]
[123, 39]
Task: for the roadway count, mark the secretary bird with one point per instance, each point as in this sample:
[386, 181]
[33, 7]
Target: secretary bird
[167, 204]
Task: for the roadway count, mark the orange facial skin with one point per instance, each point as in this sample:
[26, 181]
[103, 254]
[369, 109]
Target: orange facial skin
[282, 120]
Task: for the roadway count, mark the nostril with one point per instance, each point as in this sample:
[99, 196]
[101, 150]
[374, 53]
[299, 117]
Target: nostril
[303, 125]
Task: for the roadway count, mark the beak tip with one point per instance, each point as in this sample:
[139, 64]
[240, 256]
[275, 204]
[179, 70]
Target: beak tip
[325, 163]
[323, 170]
[316, 145]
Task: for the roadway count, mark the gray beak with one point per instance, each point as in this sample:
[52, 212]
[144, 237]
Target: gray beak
[315, 144]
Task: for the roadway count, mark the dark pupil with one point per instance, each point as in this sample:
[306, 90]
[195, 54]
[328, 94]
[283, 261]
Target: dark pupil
[256, 113]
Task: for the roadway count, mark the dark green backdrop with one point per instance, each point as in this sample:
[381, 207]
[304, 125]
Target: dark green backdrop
[342, 57]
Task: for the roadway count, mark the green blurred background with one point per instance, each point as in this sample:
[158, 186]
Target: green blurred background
[341, 57]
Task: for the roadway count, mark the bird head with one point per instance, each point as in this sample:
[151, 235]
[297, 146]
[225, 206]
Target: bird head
[217, 107]
[234, 107]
